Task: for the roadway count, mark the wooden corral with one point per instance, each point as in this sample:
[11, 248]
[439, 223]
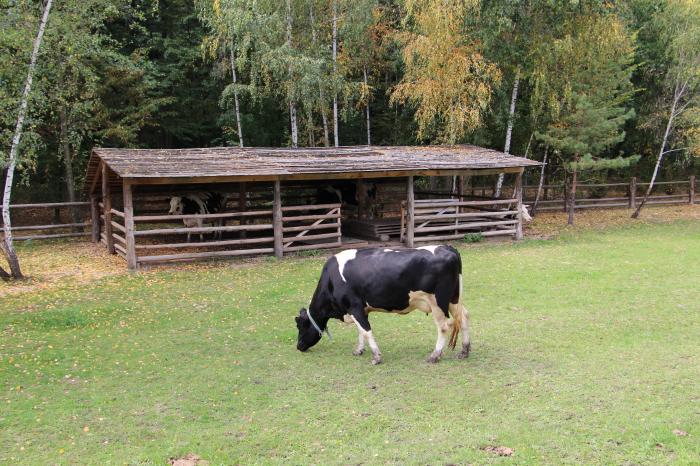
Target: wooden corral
[284, 200]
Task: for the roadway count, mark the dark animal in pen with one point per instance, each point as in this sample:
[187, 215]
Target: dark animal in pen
[199, 204]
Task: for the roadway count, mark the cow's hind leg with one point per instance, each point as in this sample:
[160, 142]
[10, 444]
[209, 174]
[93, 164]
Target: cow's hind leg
[459, 310]
[360, 318]
[444, 325]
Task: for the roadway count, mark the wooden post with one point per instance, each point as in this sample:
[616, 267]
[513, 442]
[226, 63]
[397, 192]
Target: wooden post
[129, 225]
[460, 191]
[410, 212]
[691, 190]
[519, 197]
[107, 203]
[633, 193]
[277, 224]
[242, 205]
[95, 216]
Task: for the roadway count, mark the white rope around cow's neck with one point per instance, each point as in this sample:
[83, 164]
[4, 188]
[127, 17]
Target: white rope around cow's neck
[318, 329]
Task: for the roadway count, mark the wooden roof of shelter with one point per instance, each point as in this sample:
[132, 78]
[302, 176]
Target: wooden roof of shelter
[231, 164]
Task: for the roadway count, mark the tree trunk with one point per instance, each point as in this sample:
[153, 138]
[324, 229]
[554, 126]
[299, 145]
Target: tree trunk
[7, 245]
[539, 187]
[335, 70]
[292, 104]
[669, 125]
[321, 94]
[369, 133]
[324, 119]
[509, 128]
[68, 163]
[572, 196]
[235, 96]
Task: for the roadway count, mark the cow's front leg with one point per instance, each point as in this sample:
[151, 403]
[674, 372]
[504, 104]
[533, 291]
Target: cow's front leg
[444, 327]
[365, 332]
[359, 351]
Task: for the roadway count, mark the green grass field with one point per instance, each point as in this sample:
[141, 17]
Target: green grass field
[586, 350]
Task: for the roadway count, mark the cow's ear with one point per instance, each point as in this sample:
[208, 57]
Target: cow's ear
[296, 319]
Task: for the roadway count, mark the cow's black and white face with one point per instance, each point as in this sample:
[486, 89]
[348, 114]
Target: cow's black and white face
[308, 335]
[175, 205]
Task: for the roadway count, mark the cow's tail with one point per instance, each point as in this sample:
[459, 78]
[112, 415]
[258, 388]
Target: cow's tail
[456, 325]
[456, 304]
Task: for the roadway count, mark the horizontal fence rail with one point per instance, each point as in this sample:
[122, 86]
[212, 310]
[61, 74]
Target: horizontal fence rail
[53, 212]
[452, 219]
[612, 195]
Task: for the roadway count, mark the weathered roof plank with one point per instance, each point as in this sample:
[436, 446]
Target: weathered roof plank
[234, 162]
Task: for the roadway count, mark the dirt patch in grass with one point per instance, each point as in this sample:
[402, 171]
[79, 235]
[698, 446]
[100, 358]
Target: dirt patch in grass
[47, 264]
[188, 460]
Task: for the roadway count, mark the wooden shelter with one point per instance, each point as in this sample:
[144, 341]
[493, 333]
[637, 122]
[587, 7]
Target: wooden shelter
[278, 198]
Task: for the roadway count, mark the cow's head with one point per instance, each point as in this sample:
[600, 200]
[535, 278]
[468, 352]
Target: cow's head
[175, 205]
[308, 334]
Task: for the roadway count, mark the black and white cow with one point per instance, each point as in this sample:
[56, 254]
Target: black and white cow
[356, 282]
[198, 204]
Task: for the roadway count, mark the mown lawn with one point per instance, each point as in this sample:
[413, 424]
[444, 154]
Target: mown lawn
[586, 350]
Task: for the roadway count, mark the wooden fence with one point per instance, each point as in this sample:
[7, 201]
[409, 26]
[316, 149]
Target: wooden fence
[46, 220]
[614, 195]
[451, 219]
[209, 236]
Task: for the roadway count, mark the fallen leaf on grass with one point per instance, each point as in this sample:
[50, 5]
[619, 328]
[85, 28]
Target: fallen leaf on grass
[189, 459]
[680, 433]
[498, 450]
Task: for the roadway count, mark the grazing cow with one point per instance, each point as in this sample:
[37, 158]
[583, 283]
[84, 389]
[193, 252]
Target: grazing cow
[356, 282]
[198, 204]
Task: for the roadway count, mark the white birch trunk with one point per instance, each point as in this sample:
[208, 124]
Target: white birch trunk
[369, 131]
[509, 128]
[321, 94]
[541, 183]
[235, 96]
[335, 70]
[292, 103]
[676, 98]
[8, 246]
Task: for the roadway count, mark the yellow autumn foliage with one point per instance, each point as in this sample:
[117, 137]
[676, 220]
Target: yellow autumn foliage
[446, 78]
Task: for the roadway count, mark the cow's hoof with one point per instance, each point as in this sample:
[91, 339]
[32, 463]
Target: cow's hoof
[434, 358]
[358, 352]
[465, 351]
[376, 360]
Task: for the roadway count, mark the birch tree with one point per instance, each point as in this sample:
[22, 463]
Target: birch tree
[447, 79]
[7, 244]
[680, 21]
[335, 71]
[230, 23]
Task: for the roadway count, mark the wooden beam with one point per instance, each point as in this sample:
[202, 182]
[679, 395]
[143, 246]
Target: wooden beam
[107, 212]
[410, 212]
[129, 226]
[633, 193]
[691, 190]
[242, 205]
[277, 223]
[95, 217]
[519, 208]
[98, 175]
[319, 176]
